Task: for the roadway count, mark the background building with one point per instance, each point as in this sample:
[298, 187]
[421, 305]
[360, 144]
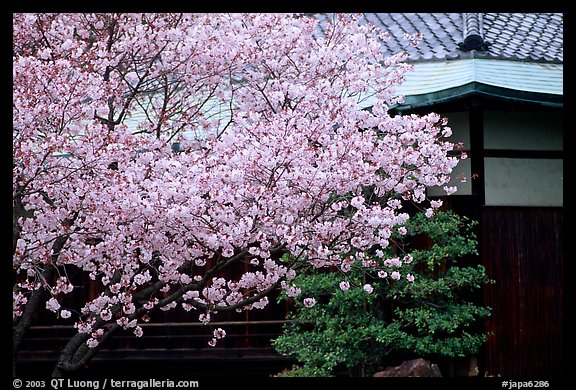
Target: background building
[498, 78]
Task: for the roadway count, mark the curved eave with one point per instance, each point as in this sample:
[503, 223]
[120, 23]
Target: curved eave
[478, 89]
[440, 81]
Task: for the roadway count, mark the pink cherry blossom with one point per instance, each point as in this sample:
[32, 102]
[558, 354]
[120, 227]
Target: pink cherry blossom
[368, 288]
[92, 343]
[179, 162]
[435, 204]
[344, 285]
[393, 262]
[293, 291]
[204, 318]
[449, 189]
[106, 315]
[138, 332]
[52, 305]
[309, 302]
[219, 333]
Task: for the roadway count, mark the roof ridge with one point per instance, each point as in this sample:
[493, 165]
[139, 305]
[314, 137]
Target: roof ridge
[473, 28]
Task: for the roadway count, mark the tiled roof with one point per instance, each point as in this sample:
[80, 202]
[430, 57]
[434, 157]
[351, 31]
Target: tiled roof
[534, 37]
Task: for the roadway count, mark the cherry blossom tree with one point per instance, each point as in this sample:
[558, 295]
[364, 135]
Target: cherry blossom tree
[159, 152]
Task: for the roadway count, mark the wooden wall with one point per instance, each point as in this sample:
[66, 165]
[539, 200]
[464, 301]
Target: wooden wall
[522, 249]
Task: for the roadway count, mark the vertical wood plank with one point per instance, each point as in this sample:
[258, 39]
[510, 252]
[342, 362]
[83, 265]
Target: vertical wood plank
[522, 249]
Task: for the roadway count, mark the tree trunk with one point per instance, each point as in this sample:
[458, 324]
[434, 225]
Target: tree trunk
[26, 320]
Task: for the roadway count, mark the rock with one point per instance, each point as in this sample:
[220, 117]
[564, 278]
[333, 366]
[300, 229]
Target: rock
[411, 368]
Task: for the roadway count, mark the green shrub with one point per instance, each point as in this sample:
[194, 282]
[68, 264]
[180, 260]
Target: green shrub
[298, 372]
[432, 315]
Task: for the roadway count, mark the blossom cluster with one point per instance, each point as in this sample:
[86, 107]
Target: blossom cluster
[155, 151]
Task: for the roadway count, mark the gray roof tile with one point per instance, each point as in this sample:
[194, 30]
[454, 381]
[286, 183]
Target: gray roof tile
[536, 37]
